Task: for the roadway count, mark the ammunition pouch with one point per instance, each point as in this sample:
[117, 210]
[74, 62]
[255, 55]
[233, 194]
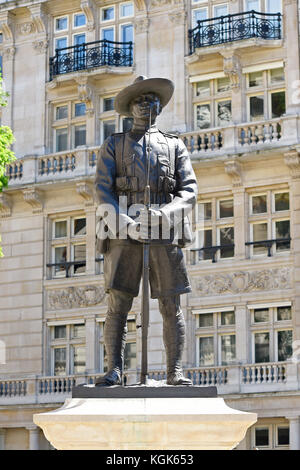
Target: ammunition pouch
[127, 184]
[166, 184]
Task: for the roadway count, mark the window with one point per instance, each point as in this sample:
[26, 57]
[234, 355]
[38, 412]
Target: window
[268, 101]
[108, 13]
[215, 229]
[215, 336]
[111, 122]
[71, 133]
[205, 9]
[271, 435]
[69, 30]
[212, 103]
[272, 334]
[68, 246]
[61, 24]
[79, 20]
[269, 223]
[126, 10]
[67, 344]
[116, 22]
[80, 109]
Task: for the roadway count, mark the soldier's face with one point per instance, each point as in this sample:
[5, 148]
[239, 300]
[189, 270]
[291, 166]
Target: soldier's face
[144, 104]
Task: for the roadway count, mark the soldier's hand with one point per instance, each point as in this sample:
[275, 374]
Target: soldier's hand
[134, 232]
[150, 217]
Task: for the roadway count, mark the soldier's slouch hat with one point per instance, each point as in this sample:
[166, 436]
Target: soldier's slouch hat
[162, 87]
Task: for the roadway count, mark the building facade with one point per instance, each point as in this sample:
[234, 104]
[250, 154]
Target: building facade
[235, 66]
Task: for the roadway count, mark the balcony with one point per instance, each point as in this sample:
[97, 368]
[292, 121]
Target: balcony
[231, 379]
[90, 55]
[237, 27]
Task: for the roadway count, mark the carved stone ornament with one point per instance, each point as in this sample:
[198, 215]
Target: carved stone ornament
[85, 94]
[232, 69]
[9, 52]
[233, 169]
[141, 25]
[87, 7]
[292, 160]
[33, 198]
[5, 205]
[160, 3]
[6, 24]
[27, 28]
[243, 281]
[74, 297]
[178, 17]
[85, 192]
[40, 46]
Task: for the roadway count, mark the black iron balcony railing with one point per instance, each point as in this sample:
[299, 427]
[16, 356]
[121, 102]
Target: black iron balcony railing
[250, 24]
[283, 242]
[90, 55]
[210, 252]
[65, 266]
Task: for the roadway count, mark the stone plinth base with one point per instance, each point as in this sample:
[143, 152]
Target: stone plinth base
[188, 423]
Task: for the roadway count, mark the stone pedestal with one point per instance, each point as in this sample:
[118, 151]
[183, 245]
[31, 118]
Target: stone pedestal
[146, 423]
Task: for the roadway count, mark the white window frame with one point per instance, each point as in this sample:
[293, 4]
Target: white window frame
[57, 38]
[58, 31]
[216, 331]
[68, 343]
[120, 9]
[120, 30]
[106, 7]
[112, 26]
[79, 13]
[273, 326]
[80, 33]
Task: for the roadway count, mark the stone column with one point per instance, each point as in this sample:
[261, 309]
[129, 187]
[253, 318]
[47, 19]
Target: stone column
[294, 432]
[292, 159]
[8, 83]
[40, 47]
[242, 334]
[2, 438]
[34, 433]
[234, 170]
[90, 240]
[178, 19]
[91, 344]
[292, 66]
[141, 31]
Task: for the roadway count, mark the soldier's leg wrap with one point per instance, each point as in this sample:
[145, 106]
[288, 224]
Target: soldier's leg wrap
[119, 304]
[173, 337]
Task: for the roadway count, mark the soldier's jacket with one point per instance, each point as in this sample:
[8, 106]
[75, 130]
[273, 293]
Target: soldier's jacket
[122, 171]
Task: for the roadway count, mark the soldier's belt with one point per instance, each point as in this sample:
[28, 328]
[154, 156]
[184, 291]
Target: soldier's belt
[166, 184]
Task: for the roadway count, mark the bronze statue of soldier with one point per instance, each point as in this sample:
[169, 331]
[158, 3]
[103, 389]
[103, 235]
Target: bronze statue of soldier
[127, 162]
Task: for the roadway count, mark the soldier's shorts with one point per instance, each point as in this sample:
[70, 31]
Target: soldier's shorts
[123, 265]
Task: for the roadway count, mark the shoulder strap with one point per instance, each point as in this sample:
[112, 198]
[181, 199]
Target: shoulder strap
[119, 152]
[172, 146]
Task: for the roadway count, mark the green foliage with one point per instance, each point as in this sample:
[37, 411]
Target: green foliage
[6, 139]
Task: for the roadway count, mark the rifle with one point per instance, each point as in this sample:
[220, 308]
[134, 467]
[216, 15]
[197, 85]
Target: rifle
[145, 284]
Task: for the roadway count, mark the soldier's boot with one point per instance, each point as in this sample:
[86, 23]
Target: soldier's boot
[114, 339]
[173, 336]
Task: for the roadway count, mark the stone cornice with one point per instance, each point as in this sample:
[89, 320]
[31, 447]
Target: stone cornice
[88, 9]
[292, 160]
[39, 17]
[5, 205]
[6, 25]
[33, 198]
[85, 192]
[234, 170]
